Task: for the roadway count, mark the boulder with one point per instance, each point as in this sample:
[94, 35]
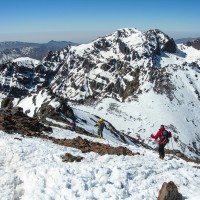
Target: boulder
[70, 158]
[169, 191]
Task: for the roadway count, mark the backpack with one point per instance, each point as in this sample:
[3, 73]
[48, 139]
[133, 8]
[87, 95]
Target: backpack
[164, 137]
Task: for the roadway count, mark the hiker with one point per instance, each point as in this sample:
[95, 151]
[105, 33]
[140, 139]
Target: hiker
[163, 136]
[101, 125]
[73, 125]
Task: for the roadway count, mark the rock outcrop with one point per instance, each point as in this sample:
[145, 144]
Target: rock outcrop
[70, 158]
[14, 120]
[87, 146]
[169, 191]
[194, 43]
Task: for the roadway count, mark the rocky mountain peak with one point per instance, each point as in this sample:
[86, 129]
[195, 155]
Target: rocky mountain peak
[126, 32]
[111, 66]
[161, 41]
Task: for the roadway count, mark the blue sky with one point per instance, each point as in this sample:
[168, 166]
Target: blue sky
[84, 20]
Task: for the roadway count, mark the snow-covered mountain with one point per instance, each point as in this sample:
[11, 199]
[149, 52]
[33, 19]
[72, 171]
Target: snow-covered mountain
[141, 79]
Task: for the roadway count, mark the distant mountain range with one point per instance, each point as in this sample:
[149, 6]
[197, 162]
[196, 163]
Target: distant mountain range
[12, 50]
[185, 40]
[194, 42]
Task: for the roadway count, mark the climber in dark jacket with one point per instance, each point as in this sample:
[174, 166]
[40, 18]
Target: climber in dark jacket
[101, 125]
[73, 125]
[163, 136]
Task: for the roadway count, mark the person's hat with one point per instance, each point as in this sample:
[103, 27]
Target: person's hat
[162, 126]
[101, 119]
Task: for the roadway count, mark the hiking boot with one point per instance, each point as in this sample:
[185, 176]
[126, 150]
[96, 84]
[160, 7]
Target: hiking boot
[161, 157]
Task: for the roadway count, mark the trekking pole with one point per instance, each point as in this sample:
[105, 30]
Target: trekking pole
[172, 144]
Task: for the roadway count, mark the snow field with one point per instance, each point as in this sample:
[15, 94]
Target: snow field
[32, 168]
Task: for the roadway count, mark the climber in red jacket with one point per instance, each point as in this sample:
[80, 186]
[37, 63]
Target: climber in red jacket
[163, 136]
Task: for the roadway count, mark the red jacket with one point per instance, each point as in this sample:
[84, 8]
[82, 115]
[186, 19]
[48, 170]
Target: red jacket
[158, 135]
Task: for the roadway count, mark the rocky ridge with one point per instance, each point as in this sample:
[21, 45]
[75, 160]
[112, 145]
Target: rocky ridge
[126, 56]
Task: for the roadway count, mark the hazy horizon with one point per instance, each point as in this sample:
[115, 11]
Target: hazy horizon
[75, 37]
[82, 21]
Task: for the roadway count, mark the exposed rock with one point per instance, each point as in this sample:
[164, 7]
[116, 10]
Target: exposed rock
[181, 155]
[161, 79]
[194, 43]
[198, 167]
[14, 120]
[7, 102]
[70, 158]
[87, 146]
[102, 44]
[123, 47]
[47, 110]
[169, 191]
[169, 46]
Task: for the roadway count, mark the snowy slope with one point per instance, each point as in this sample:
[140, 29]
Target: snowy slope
[7, 55]
[138, 118]
[33, 103]
[32, 169]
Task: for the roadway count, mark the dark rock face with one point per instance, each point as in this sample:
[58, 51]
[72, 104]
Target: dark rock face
[14, 120]
[47, 110]
[102, 44]
[169, 191]
[161, 79]
[170, 46]
[7, 102]
[194, 43]
[27, 77]
[163, 42]
[20, 74]
[70, 158]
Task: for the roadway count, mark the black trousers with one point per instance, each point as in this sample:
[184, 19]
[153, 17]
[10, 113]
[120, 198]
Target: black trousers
[100, 132]
[161, 150]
